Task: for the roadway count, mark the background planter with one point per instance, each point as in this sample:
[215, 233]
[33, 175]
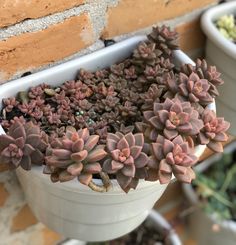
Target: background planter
[222, 53]
[71, 208]
[200, 223]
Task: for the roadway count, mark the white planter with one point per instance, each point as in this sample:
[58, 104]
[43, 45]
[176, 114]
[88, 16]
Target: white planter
[159, 223]
[71, 208]
[222, 53]
[200, 223]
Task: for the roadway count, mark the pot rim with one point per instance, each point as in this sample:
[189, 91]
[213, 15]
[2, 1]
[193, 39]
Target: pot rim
[211, 30]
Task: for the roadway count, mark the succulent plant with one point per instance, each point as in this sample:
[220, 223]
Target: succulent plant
[10, 103]
[77, 155]
[23, 145]
[171, 157]
[164, 38]
[194, 89]
[126, 159]
[146, 53]
[171, 118]
[204, 71]
[213, 131]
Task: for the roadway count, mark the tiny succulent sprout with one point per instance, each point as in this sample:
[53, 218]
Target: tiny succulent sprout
[10, 103]
[213, 131]
[78, 155]
[23, 146]
[126, 159]
[172, 157]
[172, 118]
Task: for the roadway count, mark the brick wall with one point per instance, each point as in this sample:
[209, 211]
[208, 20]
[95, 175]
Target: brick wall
[36, 34]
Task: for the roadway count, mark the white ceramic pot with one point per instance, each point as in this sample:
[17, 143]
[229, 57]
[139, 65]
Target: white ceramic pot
[222, 53]
[201, 224]
[159, 223]
[71, 208]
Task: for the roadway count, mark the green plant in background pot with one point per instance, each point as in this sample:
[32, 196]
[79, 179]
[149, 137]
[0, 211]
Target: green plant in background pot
[214, 192]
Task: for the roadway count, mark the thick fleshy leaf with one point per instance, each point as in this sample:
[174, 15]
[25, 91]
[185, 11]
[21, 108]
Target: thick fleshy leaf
[187, 177]
[153, 134]
[163, 115]
[114, 137]
[215, 146]
[158, 151]
[111, 144]
[130, 139]
[129, 161]
[170, 158]
[85, 179]
[96, 155]
[67, 144]
[25, 163]
[185, 128]
[37, 157]
[135, 151]
[122, 144]
[65, 176]
[28, 150]
[91, 142]
[155, 122]
[141, 161]
[152, 175]
[128, 170]
[62, 154]
[139, 139]
[168, 146]
[33, 140]
[222, 137]
[115, 165]
[148, 114]
[19, 132]
[141, 173]
[75, 169]
[20, 142]
[84, 134]
[170, 134]
[92, 168]
[123, 180]
[203, 139]
[5, 140]
[53, 161]
[78, 145]
[79, 156]
[30, 128]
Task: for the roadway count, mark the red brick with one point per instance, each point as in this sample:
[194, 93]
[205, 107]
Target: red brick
[15, 11]
[131, 15]
[32, 50]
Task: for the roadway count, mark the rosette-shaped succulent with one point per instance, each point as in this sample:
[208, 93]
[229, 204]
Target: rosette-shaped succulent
[171, 118]
[23, 145]
[77, 155]
[10, 103]
[172, 157]
[146, 54]
[126, 159]
[213, 131]
[204, 71]
[194, 89]
[164, 38]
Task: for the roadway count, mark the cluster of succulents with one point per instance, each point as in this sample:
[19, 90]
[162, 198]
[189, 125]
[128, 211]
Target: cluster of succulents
[226, 24]
[139, 119]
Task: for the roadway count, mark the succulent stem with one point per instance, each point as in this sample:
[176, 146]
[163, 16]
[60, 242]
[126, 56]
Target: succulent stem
[101, 188]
